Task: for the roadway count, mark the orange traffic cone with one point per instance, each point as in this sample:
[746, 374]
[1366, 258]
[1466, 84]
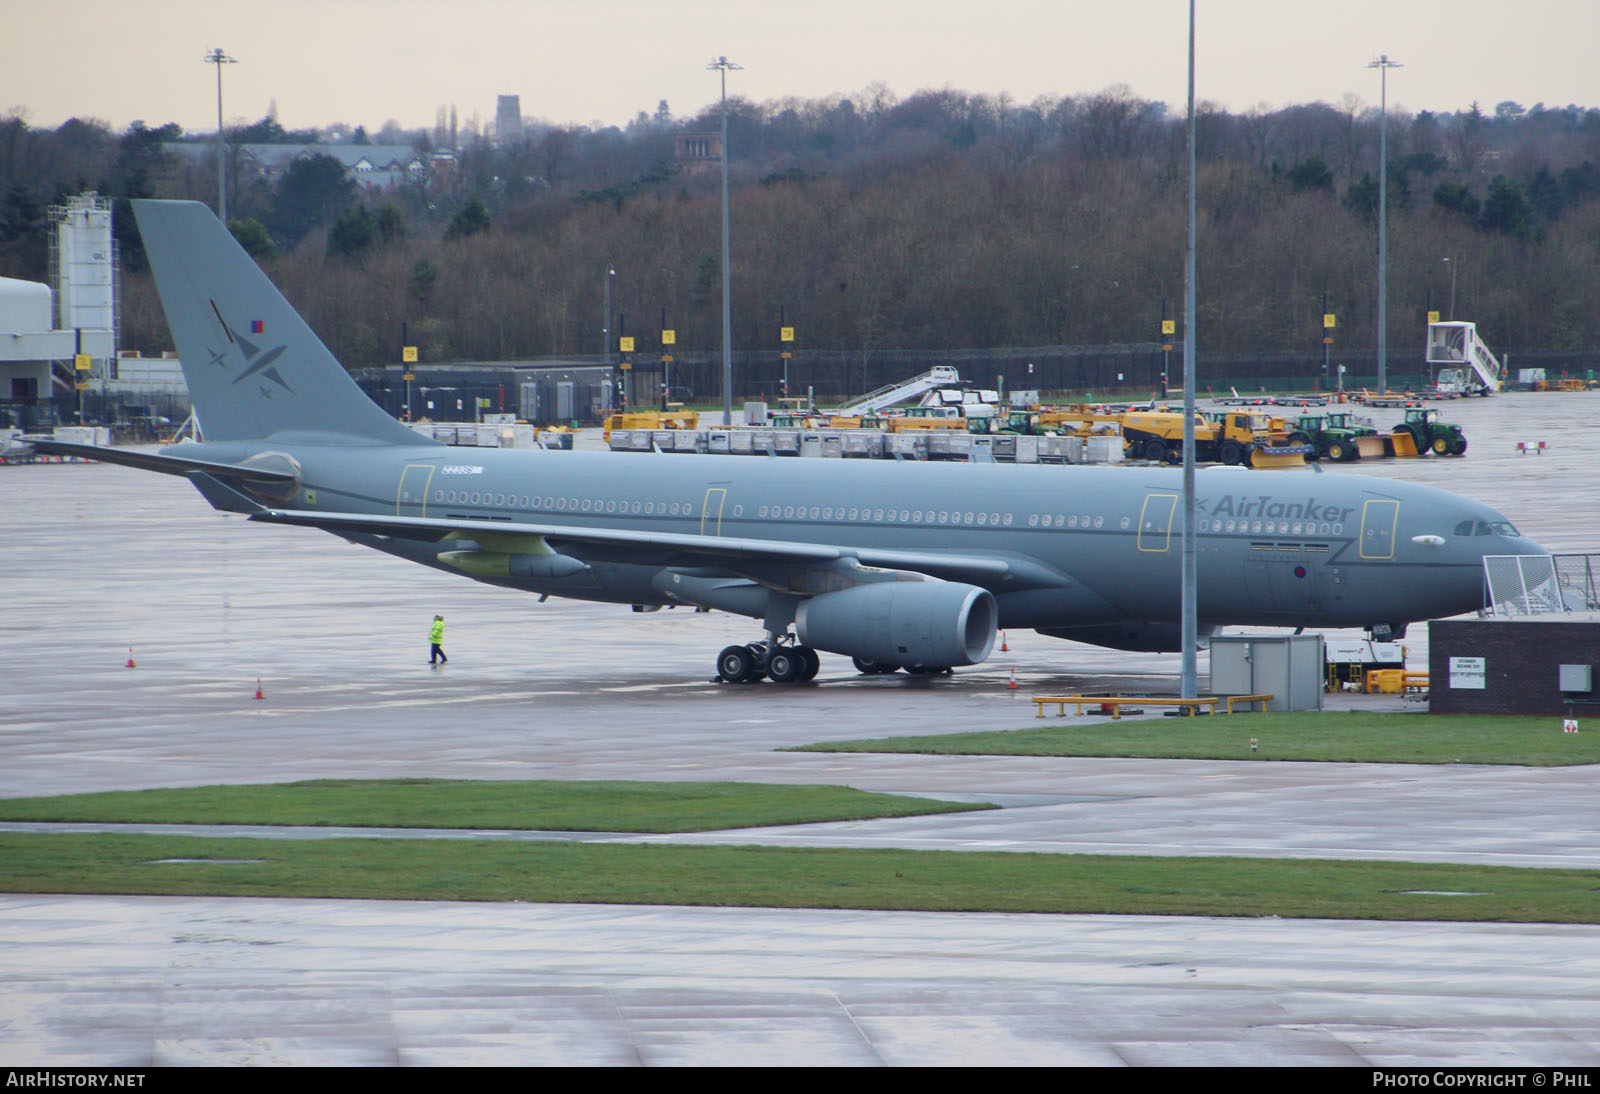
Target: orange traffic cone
[1013, 684]
[1003, 647]
[130, 657]
[258, 689]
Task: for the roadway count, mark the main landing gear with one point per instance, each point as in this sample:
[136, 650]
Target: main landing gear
[786, 662]
[782, 662]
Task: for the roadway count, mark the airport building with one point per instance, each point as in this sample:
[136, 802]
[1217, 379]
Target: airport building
[59, 337]
[1535, 649]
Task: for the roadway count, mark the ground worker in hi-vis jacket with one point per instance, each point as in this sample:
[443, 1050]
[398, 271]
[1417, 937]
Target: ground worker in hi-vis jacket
[436, 636]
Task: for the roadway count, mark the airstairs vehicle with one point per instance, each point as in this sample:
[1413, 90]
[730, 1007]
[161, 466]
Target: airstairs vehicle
[1465, 365]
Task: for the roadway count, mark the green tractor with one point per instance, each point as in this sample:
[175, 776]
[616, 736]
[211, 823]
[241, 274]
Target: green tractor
[1332, 435]
[1017, 421]
[1432, 435]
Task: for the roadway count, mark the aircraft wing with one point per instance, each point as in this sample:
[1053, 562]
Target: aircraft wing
[762, 559]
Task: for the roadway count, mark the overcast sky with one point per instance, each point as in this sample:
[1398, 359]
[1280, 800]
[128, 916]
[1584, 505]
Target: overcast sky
[601, 61]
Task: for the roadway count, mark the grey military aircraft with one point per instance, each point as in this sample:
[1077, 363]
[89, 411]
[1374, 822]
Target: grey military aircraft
[898, 565]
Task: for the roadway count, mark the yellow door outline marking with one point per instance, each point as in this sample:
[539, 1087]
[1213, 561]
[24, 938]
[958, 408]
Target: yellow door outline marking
[1373, 527]
[711, 511]
[400, 491]
[1149, 516]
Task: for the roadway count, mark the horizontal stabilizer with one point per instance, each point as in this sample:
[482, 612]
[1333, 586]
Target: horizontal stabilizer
[167, 465]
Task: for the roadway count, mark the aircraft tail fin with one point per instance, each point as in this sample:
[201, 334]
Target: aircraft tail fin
[253, 366]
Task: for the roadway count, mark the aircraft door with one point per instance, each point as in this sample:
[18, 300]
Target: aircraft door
[1293, 585]
[1155, 522]
[711, 511]
[1378, 522]
[411, 499]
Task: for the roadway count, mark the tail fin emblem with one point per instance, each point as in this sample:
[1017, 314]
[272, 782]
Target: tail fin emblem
[260, 363]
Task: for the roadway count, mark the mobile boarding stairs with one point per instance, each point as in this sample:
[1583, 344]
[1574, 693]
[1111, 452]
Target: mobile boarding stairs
[1466, 367]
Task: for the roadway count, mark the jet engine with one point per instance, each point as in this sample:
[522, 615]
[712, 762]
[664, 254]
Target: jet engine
[911, 624]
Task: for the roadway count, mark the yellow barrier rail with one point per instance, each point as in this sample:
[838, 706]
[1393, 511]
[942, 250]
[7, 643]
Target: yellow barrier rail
[1115, 703]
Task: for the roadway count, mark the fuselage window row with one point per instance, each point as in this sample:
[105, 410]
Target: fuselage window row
[878, 516]
[1072, 520]
[585, 505]
[612, 506]
[1274, 527]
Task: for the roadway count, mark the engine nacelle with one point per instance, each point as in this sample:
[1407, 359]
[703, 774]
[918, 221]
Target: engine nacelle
[913, 624]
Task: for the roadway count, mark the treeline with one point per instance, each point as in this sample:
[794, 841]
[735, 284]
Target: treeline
[943, 221]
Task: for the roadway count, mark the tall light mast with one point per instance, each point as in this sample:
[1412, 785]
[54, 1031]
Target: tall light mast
[722, 65]
[1383, 65]
[1189, 681]
[219, 58]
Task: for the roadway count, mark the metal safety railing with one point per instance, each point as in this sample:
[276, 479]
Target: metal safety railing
[1540, 584]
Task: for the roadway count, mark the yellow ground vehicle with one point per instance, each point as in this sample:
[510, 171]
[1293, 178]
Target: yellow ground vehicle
[925, 417]
[1234, 437]
[852, 421]
[1080, 420]
[1025, 422]
[651, 419]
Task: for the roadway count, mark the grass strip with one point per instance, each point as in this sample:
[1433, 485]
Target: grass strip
[947, 881]
[1331, 736]
[547, 805]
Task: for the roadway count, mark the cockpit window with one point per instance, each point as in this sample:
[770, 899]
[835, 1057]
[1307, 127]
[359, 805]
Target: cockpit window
[1486, 528]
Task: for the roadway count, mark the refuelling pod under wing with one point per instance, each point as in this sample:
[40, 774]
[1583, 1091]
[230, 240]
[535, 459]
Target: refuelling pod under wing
[912, 624]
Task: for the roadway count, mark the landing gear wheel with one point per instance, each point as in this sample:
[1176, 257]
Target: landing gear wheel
[738, 665]
[872, 668]
[813, 662]
[786, 665]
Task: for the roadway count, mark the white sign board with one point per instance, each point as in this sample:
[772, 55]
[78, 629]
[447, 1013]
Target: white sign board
[1468, 672]
[1360, 651]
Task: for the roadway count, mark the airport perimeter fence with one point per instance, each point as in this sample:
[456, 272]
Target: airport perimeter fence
[134, 417]
[1111, 372]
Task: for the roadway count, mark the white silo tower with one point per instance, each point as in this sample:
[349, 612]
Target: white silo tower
[83, 260]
